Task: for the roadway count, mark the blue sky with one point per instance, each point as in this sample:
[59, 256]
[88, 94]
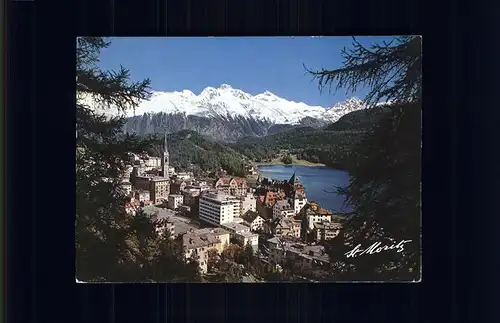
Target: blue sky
[252, 64]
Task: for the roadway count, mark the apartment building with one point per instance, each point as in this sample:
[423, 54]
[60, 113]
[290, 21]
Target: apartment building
[217, 208]
[175, 200]
[160, 189]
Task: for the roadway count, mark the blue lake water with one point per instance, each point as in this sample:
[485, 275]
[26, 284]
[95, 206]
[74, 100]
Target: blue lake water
[319, 182]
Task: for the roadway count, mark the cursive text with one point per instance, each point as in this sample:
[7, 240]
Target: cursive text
[375, 248]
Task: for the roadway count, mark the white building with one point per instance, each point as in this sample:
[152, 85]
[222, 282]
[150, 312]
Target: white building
[314, 213]
[248, 203]
[218, 208]
[171, 171]
[241, 234]
[245, 238]
[185, 176]
[299, 203]
[175, 200]
[253, 220]
[318, 218]
[153, 162]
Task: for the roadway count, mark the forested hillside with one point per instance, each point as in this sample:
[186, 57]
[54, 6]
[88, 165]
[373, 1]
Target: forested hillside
[188, 147]
[331, 145]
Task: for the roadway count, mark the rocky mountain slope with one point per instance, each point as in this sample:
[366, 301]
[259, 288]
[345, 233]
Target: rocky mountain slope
[228, 114]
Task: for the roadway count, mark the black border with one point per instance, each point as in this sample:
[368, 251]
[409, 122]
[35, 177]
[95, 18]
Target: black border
[40, 219]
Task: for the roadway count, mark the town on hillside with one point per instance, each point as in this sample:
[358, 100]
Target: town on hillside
[208, 215]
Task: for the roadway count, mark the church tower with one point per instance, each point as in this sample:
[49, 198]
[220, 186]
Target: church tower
[166, 157]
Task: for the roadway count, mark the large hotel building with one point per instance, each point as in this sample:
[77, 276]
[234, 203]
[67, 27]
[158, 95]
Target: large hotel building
[217, 208]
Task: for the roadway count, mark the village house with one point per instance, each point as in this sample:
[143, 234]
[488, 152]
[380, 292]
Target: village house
[163, 223]
[314, 213]
[284, 227]
[232, 185]
[253, 220]
[197, 245]
[241, 234]
[265, 203]
[180, 225]
[248, 203]
[324, 231]
[220, 233]
[247, 238]
[283, 208]
[153, 162]
[302, 256]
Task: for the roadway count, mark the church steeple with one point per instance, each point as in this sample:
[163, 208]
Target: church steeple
[165, 159]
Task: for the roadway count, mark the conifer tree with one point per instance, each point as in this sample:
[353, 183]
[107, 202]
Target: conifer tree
[384, 189]
[111, 244]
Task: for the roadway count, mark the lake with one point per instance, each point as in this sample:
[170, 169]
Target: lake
[319, 182]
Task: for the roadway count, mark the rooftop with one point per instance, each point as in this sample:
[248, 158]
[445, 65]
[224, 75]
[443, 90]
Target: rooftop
[215, 231]
[194, 240]
[159, 179]
[327, 225]
[181, 224]
[314, 252]
[250, 215]
[219, 196]
[287, 222]
[283, 205]
[235, 226]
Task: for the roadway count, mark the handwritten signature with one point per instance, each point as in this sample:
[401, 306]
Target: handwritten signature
[375, 248]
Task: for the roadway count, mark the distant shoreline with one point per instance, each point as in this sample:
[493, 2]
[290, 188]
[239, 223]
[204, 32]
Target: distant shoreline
[296, 162]
[293, 164]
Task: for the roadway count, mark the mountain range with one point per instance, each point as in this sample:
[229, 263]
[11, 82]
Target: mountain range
[229, 114]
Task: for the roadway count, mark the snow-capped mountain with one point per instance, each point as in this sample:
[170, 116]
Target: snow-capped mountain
[227, 113]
